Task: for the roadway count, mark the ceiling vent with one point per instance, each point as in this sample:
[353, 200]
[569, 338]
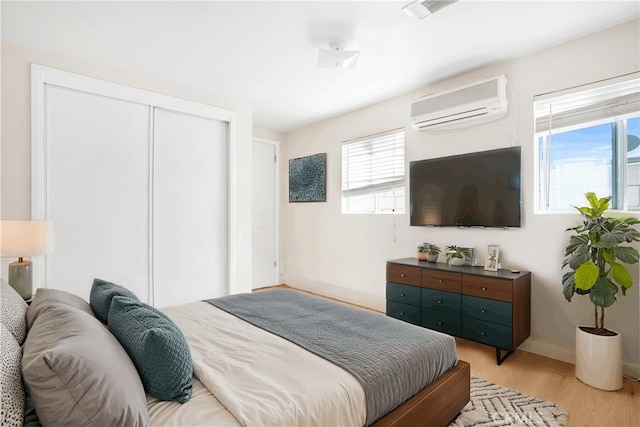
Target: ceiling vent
[421, 9]
[486, 99]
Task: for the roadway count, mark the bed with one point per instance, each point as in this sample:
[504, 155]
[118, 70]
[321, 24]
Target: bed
[232, 361]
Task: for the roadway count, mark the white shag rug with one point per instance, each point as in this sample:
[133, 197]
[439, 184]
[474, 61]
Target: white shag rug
[494, 405]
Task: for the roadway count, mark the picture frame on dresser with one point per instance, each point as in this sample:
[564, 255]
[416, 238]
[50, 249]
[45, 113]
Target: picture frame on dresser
[493, 254]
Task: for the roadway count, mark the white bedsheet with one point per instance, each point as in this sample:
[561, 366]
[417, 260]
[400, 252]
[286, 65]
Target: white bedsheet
[262, 379]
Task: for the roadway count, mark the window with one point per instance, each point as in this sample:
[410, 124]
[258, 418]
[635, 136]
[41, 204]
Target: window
[588, 139]
[373, 174]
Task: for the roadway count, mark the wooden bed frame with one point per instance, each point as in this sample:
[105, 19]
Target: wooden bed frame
[437, 404]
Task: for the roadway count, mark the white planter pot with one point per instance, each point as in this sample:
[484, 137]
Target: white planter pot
[599, 360]
[432, 258]
[456, 262]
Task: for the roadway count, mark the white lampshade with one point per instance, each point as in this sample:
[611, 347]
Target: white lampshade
[25, 238]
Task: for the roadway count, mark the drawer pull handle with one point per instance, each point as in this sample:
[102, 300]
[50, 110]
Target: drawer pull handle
[483, 333]
[484, 289]
[439, 301]
[483, 311]
[440, 323]
[401, 295]
[402, 313]
[441, 281]
[403, 275]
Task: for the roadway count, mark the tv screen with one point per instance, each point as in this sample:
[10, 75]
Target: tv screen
[470, 190]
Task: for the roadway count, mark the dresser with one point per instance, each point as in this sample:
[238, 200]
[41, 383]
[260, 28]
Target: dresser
[490, 307]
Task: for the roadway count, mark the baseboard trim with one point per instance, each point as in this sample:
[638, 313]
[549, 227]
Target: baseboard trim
[351, 296]
[566, 352]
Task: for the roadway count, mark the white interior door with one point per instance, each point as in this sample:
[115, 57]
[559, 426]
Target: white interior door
[189, 208]
[264, 214]
[97, 180]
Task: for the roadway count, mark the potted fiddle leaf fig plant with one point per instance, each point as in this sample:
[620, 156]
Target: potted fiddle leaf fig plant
[456, 255]
[596, 256]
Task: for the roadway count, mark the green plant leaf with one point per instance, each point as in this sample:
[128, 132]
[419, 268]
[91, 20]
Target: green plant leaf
[610, 239]
[568, 285]
[586, 275]
[627, 254]
[592, 199]
[621, 275]
[603, 293]
[577, 260]
[577, 243]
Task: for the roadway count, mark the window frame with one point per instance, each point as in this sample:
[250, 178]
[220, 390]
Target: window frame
[618, 161]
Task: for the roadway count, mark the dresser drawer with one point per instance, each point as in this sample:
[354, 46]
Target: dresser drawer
[406, 294]
[439, 321]
[487, 309]
[487, 333]
[408, 313]
[403, 274]
[442, 280]
[487, 287]
[441, 301]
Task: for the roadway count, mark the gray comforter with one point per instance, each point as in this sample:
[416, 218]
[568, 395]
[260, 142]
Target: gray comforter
[391, 359]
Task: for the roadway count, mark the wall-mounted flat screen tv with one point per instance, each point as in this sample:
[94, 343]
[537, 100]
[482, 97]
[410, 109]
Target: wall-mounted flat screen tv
[471, 190]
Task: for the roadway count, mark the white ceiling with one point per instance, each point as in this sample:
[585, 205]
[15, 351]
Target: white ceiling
[264, 53]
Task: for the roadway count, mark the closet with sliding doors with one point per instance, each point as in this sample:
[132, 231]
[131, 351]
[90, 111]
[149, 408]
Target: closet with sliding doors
[136, 184]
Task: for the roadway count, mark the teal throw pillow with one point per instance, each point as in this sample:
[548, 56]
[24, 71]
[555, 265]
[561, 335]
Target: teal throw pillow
[102, 292]
[156, 346]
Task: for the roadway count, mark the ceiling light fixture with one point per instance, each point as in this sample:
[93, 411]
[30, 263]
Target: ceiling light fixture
[337, 57]
[421, 9]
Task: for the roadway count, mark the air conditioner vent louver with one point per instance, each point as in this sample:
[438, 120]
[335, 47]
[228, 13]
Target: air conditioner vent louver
[436, 5]
[421, 9]
[487, 98]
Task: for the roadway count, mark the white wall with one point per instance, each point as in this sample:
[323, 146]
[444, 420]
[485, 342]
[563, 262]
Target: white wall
[16, 140]
[344, 255]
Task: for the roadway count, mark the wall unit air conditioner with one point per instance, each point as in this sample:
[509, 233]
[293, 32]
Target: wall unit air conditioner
[486, 99]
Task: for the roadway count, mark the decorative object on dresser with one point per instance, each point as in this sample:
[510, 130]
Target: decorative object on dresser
[428, 252]
[595, 255]
[493, 252]
[457, 255]
[493, 308]
[20, 239]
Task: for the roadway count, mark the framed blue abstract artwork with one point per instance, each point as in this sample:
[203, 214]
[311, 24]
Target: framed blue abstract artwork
[308, 178]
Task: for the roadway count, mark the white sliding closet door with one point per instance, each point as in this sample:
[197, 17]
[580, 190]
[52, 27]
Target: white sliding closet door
[189, 208]
[97, 186]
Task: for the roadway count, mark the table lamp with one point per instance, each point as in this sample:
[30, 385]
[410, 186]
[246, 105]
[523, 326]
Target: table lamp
[24, 239]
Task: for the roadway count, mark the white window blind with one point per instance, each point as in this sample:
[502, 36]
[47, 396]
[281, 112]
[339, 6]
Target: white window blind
[597, 102]
[373, 176]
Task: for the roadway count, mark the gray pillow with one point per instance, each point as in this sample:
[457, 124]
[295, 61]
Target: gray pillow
[11, 389]
[101, 294]
[13, 311]
[157, 347]
[46, 297]
[78, 374]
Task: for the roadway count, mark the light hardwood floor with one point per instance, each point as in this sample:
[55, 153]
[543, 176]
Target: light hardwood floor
[552, 380]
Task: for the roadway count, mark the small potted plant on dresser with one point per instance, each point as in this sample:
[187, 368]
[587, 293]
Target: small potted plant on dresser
[422, 252]
[595, 256]
[428, 252]
[456, 255]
